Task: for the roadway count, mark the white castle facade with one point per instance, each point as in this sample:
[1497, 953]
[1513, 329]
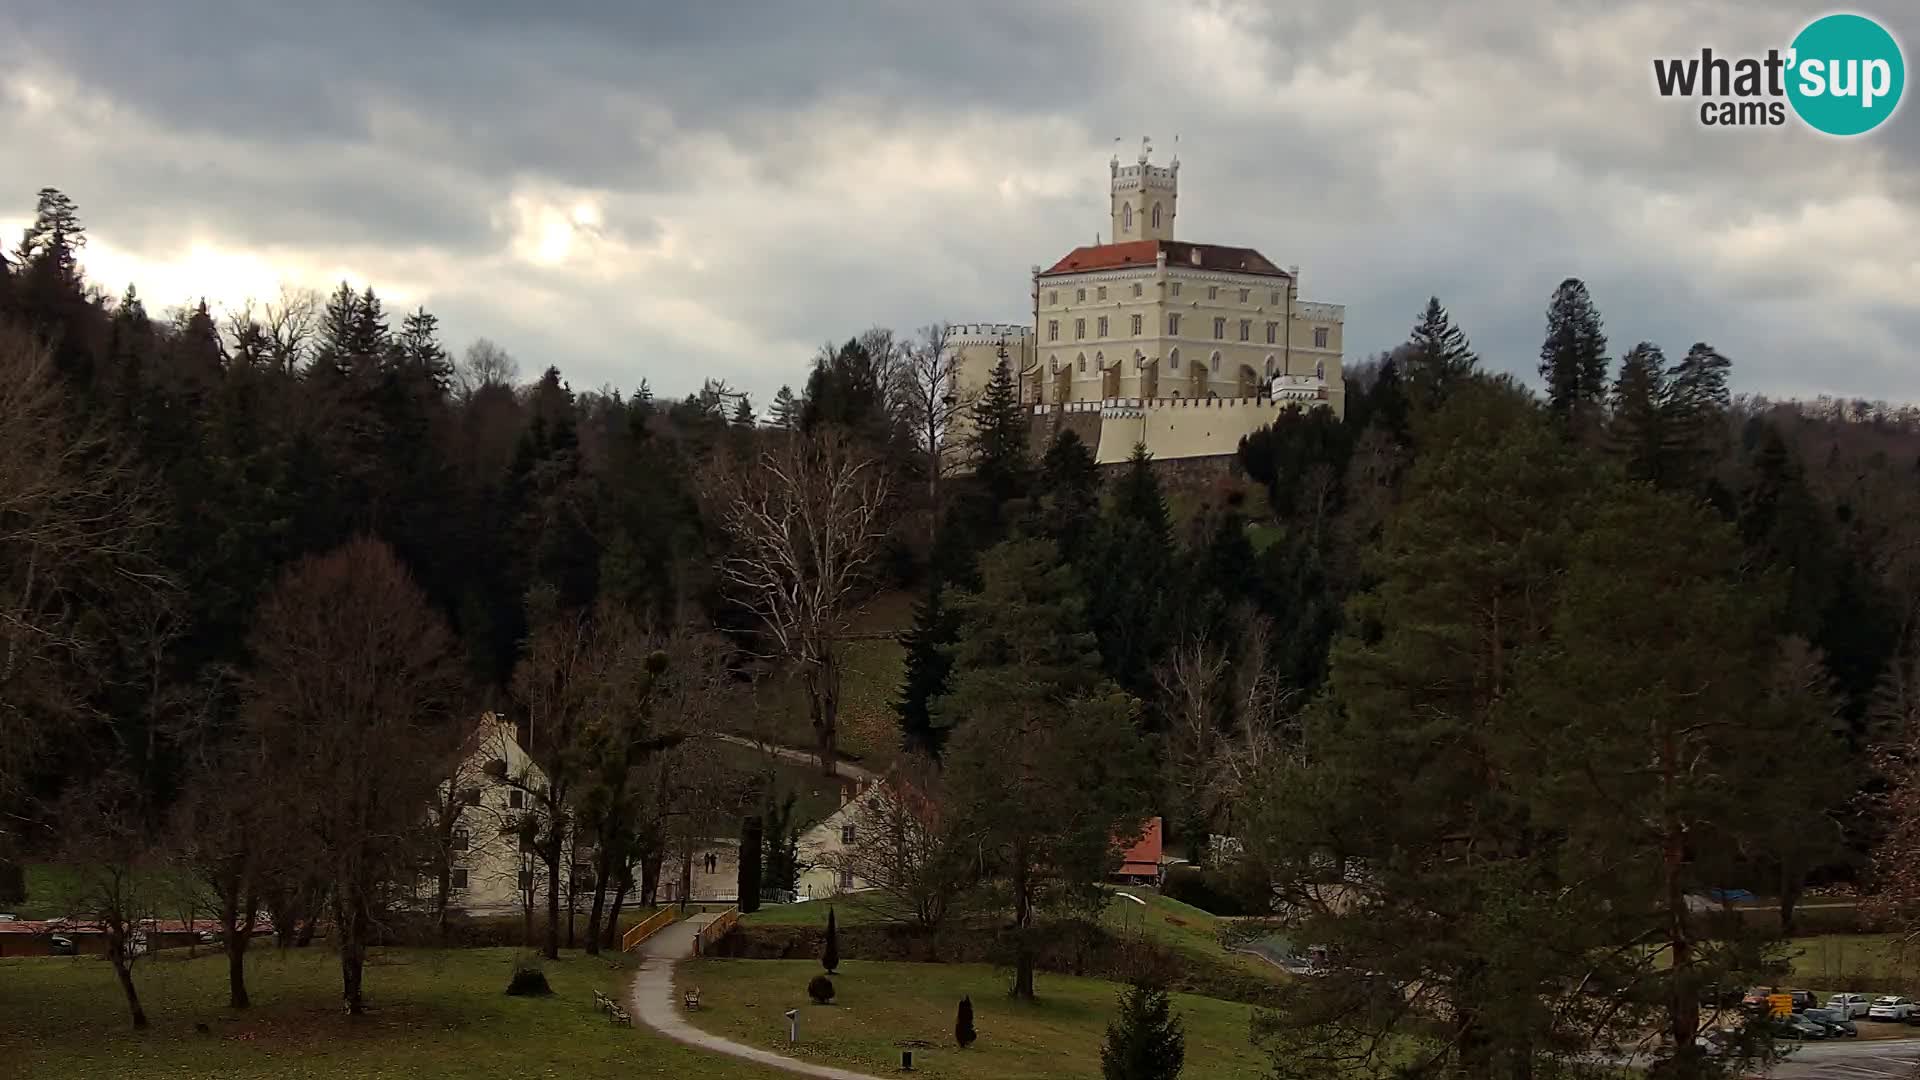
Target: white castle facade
[1183, 347]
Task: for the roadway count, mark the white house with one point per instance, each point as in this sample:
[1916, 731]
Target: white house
[492, 874]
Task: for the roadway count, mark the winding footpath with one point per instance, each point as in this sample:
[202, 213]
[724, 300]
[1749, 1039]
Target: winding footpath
[652, 1000]
[858, 774]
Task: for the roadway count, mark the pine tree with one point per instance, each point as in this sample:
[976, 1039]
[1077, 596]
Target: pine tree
[830, 959]
[1437, 356]
[963, 1033]
[1637, 428]
[743, 414]
[1000, 462]
[786, 410]
[425, 363]
[52, 242]
[1696, 408]
[927, 668]
[1067, 494]
[1146, 1041]
[1138, 497]
[1573, 358]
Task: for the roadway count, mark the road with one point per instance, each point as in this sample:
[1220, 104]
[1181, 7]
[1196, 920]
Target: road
[848, 769]
[1888, 1059]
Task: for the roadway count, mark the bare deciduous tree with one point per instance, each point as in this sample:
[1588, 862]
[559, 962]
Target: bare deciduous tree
[356, 684]
[930, 385]
[805, 521]
[111, 852]
[913, 855]
[485, 364]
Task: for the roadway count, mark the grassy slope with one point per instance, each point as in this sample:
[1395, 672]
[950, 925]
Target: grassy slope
[880, 1006]
[1862, 963]
[1185, 929]
[436, 1013]
[53, 888]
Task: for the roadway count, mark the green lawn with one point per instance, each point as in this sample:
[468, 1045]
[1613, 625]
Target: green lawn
[52, 888]
[846, 912]
[435, 1014]
[881, 1007]
[1862, 963]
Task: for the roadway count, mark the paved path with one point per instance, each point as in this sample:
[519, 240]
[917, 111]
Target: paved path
[848, 769]
[1873, 1059]
[652, 1000]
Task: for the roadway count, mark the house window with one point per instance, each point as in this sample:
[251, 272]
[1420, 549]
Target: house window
[1079, 329]
[1319, 337]
[1213, 292]
[1100, 293]
[1136, 288]
[1173, 323]
[1053, 297]
[1274, 297]
[1102, 327]
[1219, 329]
[1136, 326]
[1079, 296]
[459, 839]
[846, 879]
[516, 798]
[1246, 329]
[1243, 296]
[526, 881]
[1176, 288]
[1053, 329]
[459, 879]
[846, 834]
[1273, 332]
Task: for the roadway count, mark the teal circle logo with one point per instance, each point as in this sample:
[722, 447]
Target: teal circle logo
[1846, 74]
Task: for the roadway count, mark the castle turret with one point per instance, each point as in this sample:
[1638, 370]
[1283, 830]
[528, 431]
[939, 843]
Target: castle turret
[1145, 198]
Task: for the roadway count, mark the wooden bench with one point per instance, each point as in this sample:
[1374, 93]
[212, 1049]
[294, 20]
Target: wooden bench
[618, 1015]
[692, 998]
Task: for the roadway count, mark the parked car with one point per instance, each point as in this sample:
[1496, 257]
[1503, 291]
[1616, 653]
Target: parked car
[1836, 1022]
[1855, 1005]
[1797, 1026]
[209, 937]
[1803, 1000]
[1896, 1009]
[60, 945]
[8, 917]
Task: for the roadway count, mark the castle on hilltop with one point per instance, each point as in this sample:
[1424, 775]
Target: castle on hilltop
[1149, 340]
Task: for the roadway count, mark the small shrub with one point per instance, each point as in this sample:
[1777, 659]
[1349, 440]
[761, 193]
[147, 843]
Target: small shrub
[963, 1032]
[820, 989]
[528, 978]
[1207, 891]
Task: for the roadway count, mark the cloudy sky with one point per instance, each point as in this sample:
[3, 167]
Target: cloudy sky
[679, 190]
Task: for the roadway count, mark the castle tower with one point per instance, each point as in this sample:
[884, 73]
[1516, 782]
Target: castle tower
[1144, 198]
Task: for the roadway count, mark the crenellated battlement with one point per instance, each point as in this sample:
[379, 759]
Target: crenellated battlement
[986, 333]
[1318, 312]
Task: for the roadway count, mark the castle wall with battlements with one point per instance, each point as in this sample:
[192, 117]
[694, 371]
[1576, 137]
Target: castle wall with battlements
[1170, 428]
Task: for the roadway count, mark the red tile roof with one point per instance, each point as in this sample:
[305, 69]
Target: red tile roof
[1144, 856]
[1179, 253]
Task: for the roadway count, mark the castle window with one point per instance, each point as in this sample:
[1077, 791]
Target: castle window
[1053, 329]
[1173, 323]
[1243, 295]
[1156, 215]
[1215, 364]
[1219, 329]
[1173, 360]
[1101, 293]
[1213, 292]
[1273, 332]
[1053, 297]
[1079, 329]
[1079, 296]
[1102, 327]
[1176, 288]
[1126, 217]
[1274, 298]
[1320, 370]
[1273, 367]
[1136, 288]
[1083, 363]
[1319, 337]
[1246, 329]
[1136, 326]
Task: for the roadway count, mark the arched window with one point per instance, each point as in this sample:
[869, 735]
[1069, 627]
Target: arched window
[1126, 217]
[1320, 370]
[1176, 393]
[1156, 215]
[1215, 362]
[1173, 360]
[1083, 363]
[1273, 367]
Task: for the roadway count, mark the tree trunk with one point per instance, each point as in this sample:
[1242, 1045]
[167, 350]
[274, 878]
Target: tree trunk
[443, 894]
[612, 929]
[686, 875]
[237, 972]
[1683, 997]
[304, 937]
[350, 927]
[573, 885]
[1022, 928]
[593, 916]
[552, 951]
[823, 694]
[236, 933]
[650, 878]
[1791, 886]
[117, 952]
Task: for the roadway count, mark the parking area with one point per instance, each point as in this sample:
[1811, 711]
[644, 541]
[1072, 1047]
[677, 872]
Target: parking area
[1879, 1059]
